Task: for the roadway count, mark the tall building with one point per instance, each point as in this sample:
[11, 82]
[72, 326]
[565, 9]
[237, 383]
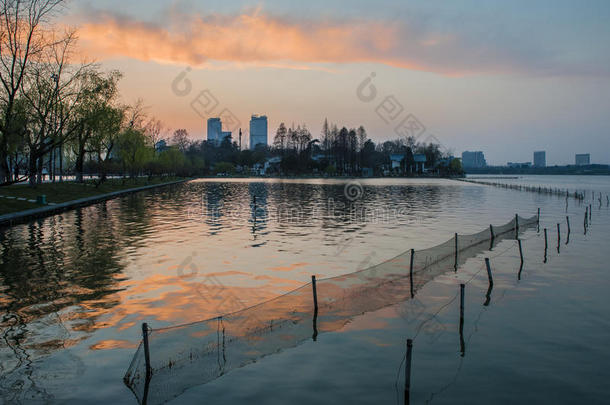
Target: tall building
[473, 159]
[258, 130]
[223, 135]
[582, 159]
[540, 158]
[214, 130]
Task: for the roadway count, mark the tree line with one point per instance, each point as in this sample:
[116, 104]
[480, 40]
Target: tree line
[336, 152]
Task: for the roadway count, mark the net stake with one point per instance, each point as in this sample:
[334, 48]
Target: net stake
[411, 272]
[455, 266]
[520, 250]
[586, 222]
[489, 277]
[315, 308]
[146, 349]
[408, 371]
[315, 293]
[462, 344]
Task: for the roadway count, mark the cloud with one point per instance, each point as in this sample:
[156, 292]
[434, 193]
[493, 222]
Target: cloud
[261, 39]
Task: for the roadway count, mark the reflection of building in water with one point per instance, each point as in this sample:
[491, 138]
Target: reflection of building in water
[258, 206]
[212, 204]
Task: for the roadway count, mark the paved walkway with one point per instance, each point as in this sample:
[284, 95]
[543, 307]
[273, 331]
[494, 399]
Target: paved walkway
[53, 208]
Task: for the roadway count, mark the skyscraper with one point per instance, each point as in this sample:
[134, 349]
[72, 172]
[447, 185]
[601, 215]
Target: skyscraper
[214, 130]
[473, 159]
[540, 159]
[258, 131]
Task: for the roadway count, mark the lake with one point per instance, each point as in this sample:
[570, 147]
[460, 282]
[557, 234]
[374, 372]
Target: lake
[76, 287]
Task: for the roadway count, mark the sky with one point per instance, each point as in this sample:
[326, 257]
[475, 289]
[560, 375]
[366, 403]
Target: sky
[507, 78]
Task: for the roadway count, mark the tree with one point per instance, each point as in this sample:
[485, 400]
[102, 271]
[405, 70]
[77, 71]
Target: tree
[280, 137]
[55, 91]
[22, 41]
[97, 116]
[133, 151]
[180, 139]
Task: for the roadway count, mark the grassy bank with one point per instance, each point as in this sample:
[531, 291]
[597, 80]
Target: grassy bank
[17, 198]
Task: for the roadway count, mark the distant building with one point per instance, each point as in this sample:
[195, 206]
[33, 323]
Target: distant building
[517, 165]
[367, 172]
[473, 159]
[258, 131]
[582, 159]
[161, 146]
[420, 162]
[214, 130]
[223, 135]
[540, 159]
[396, 160]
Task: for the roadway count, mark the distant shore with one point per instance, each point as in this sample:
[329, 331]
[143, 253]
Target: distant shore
[589, 170]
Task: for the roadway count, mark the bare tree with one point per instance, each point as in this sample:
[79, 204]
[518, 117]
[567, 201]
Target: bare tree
[181, 139]
[22, 40]
[55, 90]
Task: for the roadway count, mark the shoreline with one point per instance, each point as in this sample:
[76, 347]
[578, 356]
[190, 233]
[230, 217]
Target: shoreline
[20, 217]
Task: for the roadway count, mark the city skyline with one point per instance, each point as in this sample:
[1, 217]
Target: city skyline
[522, 90]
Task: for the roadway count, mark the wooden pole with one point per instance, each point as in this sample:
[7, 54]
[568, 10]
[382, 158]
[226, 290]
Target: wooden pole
[408, 371]
[546, 243]
[538, 220]
[315, 293]
[520, 250]
[491, 284]
[546, 246]
[558, 237]
[411, 273]
[590, 212]
[568, 221]
[455, 266]
[489, 277]
[462, 344]
[586, 221]
[516, 225]
[315, 308]
[146, 349]
[491, 231]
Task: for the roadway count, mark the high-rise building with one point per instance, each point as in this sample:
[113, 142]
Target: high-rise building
[473, 159]
[582, 159]
[540, 158]
[223, 135]
[214, 130]
[258, 130]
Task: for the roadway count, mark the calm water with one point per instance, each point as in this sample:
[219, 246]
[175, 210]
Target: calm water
[74, 289]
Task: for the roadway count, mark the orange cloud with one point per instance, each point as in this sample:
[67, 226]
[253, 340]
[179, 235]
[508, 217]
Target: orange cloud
[255, 39]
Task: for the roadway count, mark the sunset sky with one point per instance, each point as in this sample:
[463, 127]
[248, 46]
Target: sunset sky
[507, 78]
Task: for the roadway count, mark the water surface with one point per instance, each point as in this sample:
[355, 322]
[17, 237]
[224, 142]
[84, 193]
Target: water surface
[74, 288]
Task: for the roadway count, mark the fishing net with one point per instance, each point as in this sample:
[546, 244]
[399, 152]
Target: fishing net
[188, 355]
